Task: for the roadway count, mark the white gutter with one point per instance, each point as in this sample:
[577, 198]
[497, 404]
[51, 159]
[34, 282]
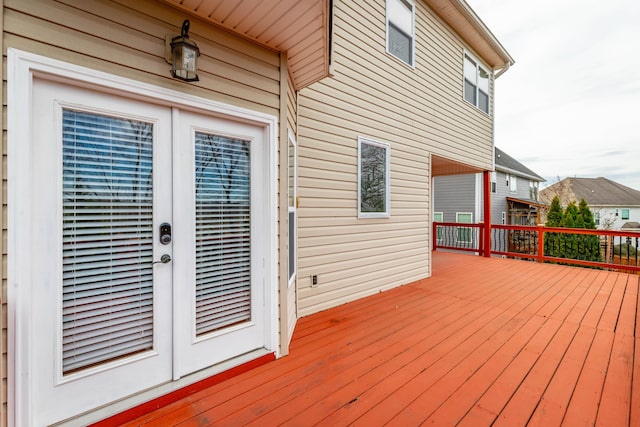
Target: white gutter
[502, 71]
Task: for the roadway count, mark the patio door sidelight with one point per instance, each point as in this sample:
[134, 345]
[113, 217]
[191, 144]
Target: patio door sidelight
[147, 259]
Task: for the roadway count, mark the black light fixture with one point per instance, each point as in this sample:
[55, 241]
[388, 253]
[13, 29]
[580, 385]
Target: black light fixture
[184, 55]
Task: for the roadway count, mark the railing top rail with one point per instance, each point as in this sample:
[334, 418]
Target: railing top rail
[459, 224]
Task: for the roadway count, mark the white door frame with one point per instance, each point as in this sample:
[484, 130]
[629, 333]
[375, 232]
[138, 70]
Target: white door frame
[21, 69]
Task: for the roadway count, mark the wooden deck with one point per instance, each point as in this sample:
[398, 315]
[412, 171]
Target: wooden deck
[482, 342]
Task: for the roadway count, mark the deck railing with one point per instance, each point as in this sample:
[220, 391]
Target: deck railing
[616, 250]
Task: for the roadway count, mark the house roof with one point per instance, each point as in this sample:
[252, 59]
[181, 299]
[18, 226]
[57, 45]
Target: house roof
[530, 202]
[302, 28]
[506, 163]
[631, 225]
[596, 191]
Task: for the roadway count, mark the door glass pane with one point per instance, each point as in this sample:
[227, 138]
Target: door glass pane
[107, 239]
[223, 232]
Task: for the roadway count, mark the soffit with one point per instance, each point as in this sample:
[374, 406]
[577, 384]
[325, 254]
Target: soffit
[298, 27]
[442, 166]
[459, 16]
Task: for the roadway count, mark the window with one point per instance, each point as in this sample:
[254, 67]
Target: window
[476, 84]
[438, 217]
[293, 205]
[504, 218]
[513, 184]
[533, 190]
[400, 37]
[625, 213]
[373, 179]
[494, 182]
[596, 218]
[464, 233]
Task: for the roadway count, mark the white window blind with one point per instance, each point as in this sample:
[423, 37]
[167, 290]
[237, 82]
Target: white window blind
[223, 232]
[107, 239]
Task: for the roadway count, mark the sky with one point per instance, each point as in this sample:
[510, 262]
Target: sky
[570, 106]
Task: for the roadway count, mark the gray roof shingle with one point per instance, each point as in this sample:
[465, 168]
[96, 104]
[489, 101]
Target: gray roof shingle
[506, 163]
[596, 191]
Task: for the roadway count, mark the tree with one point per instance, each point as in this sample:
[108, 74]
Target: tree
[587, 215]
[571, 246]
[555, 215]
[570, 216]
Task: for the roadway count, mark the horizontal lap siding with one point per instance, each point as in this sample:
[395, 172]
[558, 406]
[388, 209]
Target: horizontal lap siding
[453, 194]
[127, 38]
[418, 112]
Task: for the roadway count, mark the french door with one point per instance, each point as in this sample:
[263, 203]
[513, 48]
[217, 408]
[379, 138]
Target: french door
[146, 244]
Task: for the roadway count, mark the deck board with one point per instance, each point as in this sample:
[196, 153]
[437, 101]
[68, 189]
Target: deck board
[481, 342]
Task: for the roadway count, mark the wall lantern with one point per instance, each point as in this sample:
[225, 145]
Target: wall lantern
[184, 55]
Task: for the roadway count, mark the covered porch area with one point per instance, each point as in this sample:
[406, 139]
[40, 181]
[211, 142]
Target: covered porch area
[484, 341]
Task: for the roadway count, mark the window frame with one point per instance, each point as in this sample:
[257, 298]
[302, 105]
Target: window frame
[533, 190]
[624, 211]
[292, 207]
[478, 66]
[387, 147]
[410, 4]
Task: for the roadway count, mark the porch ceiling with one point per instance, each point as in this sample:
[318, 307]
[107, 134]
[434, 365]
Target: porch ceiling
[443, 166]
[298, 27]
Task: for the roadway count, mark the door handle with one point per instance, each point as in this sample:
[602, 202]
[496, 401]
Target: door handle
[164, 259]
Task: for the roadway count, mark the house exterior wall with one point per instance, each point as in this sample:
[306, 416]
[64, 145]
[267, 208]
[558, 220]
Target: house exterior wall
[128, 39]
[455, 193]
[419, 111]
[503, 190]
[611, 217]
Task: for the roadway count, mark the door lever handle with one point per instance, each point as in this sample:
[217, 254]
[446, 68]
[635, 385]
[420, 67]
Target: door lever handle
[164, 259]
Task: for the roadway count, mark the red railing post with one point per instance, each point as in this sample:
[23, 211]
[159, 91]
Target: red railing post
[434, 233]
[540, 243]
[487, 213]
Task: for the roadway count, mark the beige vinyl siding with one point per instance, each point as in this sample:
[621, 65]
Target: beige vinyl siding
[292, 107]
[419, 111]
[127, 38]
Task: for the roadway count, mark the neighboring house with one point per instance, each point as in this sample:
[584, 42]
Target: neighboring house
[614, 206]
[161, 231]
[514, 195]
